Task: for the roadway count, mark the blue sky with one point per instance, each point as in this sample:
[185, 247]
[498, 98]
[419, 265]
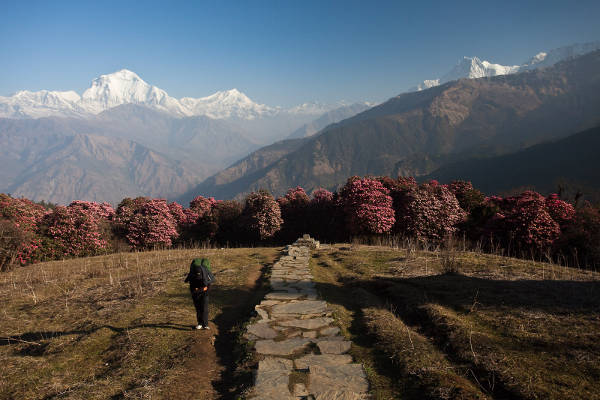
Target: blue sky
[279, 52]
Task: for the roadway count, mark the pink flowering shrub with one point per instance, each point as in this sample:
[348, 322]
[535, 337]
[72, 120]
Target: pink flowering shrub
[202, 205]
[367, 206]
[294, 212]
[322, 196]
[468, 197]
[146, 223]
[261, 215]
[22, 212]
[21, 242]
[80, 229]
[523, 222]
[427, 212]
[560, 211]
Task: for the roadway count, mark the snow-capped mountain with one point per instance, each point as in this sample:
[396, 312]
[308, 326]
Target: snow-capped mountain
[26, 104]
[227, 104]
[562, 53]
[473, 67]
[126, 87]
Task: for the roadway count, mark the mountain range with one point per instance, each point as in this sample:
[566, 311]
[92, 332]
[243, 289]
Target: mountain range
[126, 87]
[473, 67]
[123, 136]
[415, 133]
[196, 137]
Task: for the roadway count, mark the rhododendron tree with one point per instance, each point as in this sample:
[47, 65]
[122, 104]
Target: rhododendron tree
[427, 212]
[22, 212]
[468, 197]
[294, 212]
[560, 211]
[367, 206]
[523, 222]
[261, 215]
[78, 229]
[146, 222]
[223, 224]
[202, 205]
[21, 217]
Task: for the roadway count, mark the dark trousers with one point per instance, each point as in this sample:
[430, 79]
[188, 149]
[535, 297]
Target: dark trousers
[201, 304]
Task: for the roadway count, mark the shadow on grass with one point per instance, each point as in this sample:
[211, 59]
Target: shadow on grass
[35, 337]
[463, 294]
[237, 309]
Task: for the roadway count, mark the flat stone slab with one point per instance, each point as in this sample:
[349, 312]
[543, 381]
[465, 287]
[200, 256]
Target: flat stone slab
[310, 334]
[284, 296]
[322, 360]
[313, 323]
[275, 364]
[272, 385]
[331, 331]
[282, 348]
[262, 330]
[272, 379]
[342, 378]
[300, 307]
[334, 346]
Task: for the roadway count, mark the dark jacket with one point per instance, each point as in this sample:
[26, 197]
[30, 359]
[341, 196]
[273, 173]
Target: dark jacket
[199, 277]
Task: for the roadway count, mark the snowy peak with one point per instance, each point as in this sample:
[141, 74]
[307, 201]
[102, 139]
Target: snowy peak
[126, 87]
[227, 104]
[473, 67]
[562, 53]
[26, 104]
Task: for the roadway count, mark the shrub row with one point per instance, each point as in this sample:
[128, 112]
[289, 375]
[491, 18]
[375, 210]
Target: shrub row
[428, 212]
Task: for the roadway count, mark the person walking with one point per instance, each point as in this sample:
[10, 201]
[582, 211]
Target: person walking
[200, 279]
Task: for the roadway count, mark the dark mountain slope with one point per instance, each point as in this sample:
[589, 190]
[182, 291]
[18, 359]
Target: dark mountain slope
[455, 120]
[574, 160]
[238, 176]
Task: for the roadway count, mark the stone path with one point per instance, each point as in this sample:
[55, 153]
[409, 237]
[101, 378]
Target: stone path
[302, 355]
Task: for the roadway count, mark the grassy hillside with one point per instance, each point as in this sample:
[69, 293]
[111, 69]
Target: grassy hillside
[498, 328]
[426, 324]
[119, 326]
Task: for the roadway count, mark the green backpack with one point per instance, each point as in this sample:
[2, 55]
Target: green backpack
[196, 269]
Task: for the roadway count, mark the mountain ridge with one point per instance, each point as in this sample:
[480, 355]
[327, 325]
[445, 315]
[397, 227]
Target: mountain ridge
[473, 67]
[493, 114]
[126, 87]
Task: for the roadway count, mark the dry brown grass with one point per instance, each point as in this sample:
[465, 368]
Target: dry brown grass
[116, 326]
[495, 327]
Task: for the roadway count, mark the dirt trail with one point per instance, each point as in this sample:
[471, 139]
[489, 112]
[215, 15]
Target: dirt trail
[204, 367]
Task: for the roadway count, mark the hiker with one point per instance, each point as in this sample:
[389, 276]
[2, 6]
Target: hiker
[200, 278]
